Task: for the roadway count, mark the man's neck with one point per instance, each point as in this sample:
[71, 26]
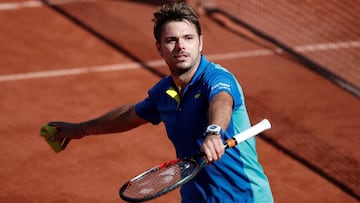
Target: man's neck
[181, 80]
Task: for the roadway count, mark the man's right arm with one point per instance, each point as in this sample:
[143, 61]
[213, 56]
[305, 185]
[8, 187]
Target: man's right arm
[121, 119]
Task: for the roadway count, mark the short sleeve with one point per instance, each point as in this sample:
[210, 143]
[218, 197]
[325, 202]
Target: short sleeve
[224, 81]
[147, 110]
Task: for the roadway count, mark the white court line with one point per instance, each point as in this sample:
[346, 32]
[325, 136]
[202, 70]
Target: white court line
[78, 71]
[158, 63]
[327, 46]
[32, 4]
[19, 5]
[124, 66]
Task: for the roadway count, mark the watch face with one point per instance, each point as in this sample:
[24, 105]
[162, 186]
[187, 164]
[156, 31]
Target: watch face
[213, 129]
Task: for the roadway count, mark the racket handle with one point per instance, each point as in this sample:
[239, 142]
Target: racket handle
[246, 134]
[47, 132]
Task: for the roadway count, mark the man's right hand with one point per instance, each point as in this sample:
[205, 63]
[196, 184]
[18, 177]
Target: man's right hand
[66, 132]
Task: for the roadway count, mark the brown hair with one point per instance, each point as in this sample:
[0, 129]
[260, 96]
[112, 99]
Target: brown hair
[174, 12]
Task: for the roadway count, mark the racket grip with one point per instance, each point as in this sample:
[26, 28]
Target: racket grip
[47, 132]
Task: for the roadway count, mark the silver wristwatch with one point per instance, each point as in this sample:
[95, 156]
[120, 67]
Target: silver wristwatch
[213, 129]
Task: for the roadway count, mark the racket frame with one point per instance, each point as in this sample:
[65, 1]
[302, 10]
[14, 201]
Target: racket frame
[198, 161]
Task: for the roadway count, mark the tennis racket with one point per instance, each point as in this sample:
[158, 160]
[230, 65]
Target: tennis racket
[170, 175]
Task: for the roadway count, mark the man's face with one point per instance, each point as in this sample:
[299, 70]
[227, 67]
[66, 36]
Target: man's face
[180, 46]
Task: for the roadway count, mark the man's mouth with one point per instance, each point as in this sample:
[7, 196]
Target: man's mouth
[180, 56]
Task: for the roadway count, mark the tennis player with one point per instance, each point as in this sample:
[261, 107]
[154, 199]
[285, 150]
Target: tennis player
[201, 105]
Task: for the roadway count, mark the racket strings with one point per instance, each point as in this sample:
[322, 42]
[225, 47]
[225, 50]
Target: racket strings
[155, 180]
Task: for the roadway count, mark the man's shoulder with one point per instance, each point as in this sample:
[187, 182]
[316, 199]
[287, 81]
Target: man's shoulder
[162, 84]
[216, 71]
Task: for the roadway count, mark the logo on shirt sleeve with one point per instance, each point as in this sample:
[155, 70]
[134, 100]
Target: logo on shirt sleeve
[221, 86]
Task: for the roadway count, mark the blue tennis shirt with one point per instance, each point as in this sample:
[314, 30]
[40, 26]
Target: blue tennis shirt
[237, 176]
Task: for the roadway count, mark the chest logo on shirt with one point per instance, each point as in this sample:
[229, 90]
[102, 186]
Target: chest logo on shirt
[197, 95]
[175, 95]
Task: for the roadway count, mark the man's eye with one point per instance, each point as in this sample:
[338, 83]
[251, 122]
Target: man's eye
[170, 40]
[189, 37]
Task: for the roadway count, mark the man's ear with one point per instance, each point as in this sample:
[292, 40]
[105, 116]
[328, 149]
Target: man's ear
[201, 43]
[158, 47]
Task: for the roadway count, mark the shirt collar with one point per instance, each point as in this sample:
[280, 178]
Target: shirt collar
[200, 70]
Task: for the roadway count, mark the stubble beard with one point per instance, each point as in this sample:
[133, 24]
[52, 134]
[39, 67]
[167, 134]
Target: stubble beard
[184, 67]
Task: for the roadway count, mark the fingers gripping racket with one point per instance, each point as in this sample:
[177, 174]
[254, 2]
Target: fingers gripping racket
[170, 175]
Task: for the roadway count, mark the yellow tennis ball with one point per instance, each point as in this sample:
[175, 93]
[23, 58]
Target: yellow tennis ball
[47, 132]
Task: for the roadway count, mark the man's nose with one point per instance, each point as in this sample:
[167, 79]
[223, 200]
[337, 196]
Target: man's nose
[180, 43]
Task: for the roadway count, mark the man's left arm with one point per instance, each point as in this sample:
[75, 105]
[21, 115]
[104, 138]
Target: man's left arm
[220, 111]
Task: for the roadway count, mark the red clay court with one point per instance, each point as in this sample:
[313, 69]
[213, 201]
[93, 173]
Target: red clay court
[71, 60]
